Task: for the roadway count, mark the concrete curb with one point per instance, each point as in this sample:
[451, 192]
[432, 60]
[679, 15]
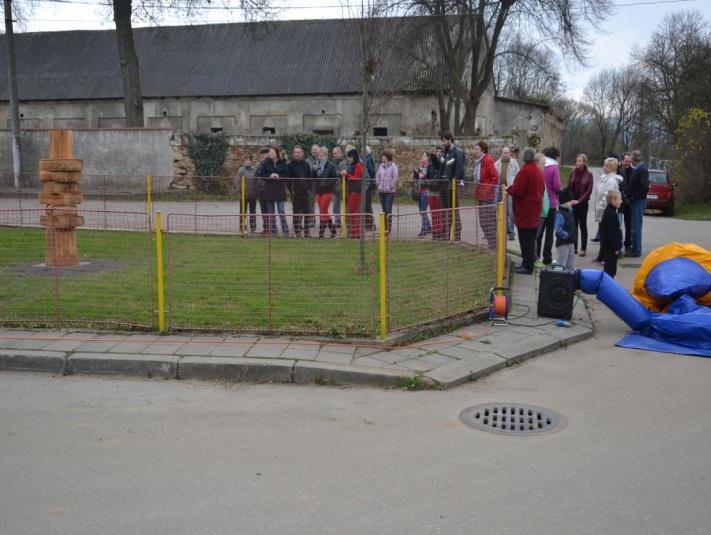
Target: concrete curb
[236, 369]
[308, 372]
[33, 360]
[159, 366]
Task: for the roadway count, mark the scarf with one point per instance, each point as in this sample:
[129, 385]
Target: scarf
[578, 175]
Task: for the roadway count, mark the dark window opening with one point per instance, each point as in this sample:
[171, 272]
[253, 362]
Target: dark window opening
[324, 132]
[216, 129]
[380, 131]
[268, 130]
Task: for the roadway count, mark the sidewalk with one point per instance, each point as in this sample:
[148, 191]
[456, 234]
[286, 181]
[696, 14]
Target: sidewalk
[448, 360]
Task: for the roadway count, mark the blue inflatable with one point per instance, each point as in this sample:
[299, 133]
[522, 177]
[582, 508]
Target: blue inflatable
[683, 328]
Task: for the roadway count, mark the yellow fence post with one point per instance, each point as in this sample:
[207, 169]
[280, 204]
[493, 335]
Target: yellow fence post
[453, 230]
[501, 242]
[149, 198]
[243, 206]
[344, 208]
[160, 273]
[383, 280]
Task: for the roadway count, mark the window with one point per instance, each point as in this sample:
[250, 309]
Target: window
[215, 129]
[268, 130]
[380, 131]
[323, 132]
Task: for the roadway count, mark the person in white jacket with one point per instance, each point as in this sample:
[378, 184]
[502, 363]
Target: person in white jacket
[608, 180]
[507, 167]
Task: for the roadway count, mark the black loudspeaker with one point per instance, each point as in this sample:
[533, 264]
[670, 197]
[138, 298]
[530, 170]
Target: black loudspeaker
[556, 292]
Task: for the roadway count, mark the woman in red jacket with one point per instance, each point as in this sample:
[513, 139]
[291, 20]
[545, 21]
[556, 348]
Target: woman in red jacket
[527, 193]
[487, 190]
[354, 175]
[580, 184]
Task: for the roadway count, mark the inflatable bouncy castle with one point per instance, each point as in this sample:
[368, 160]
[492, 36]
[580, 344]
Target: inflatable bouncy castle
[669, 309]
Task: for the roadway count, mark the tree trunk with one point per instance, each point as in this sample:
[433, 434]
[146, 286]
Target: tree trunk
[12, 90]
[132, 97]
[468, 125]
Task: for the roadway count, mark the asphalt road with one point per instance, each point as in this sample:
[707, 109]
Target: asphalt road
[86, 455]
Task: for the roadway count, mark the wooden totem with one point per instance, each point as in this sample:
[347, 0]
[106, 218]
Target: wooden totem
[60, 176]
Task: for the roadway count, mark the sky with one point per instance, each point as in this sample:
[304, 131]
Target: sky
[631, 23]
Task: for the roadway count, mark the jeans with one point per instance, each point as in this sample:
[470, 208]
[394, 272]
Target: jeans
[386, 203]
[251, 208]
[580, 211]
[627, 216]
[637, 208]
[270, 208]
[487, 222]
[547, 228]
[422, 205]
[566, 256]
[509, 216]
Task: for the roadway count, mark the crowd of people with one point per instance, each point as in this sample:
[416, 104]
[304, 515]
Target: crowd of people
[544, 211]
[540, 209]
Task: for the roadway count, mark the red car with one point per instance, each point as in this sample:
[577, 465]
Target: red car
[661, 192]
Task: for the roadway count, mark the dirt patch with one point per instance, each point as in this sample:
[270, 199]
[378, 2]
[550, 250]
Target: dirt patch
[85, 267]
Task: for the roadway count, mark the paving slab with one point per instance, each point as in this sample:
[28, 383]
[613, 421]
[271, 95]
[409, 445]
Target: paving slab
[266, 350]
[236, 369]
[32, 360]
[130, 347]
[523, 350]
[417, 365]
[229, 349]
[161, 366]
[162, 348]
[301, 352]
[322, 372]
[335, 358]
[468, 369]
[95, 347]
[197, 349]
[64, 345]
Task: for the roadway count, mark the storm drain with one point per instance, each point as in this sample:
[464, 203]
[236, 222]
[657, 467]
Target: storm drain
[513, 419]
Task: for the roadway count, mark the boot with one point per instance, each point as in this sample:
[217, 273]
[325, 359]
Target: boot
[332, 226]
[321, 229]
[297, 229]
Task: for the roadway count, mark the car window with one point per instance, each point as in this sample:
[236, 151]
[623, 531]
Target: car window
[657, 177]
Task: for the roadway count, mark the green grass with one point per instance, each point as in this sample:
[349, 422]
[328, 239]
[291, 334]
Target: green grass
[565, 171]
[696, 211]
[228, 283]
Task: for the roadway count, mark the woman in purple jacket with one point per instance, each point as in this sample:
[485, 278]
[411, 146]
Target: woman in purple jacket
[580, 184]
[551, 176]
[386, 179]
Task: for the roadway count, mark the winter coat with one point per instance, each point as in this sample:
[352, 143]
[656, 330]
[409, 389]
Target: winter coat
[511, 174]
[610, 231]
[639, 183]
[581, 186]
[487, 187]
[386, 177]
[607, 182]
[250, 182]
[527, 193]
[565, 229]
[435, 183]
[273, 189]
[354, 175]
[551, 176]
[327, 181]
[454, 165]
[300, 172]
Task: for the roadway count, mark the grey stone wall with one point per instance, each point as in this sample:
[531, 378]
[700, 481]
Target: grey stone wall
[115, 160]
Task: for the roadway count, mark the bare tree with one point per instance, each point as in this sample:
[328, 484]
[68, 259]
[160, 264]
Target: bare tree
[124, 11]
[599, 95]
[526, 69]
[468, 34]
[676, 65]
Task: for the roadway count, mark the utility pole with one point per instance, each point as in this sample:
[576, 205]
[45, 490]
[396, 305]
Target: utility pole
[12, 89]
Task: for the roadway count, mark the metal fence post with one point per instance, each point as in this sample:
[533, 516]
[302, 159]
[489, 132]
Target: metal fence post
[344, 209]
[243, 206]
[149, 199]
[501, 242]
[383, 280]
[453, 230]
[160, 273]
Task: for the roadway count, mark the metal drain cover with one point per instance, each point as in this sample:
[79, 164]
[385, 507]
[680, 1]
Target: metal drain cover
[513, 419]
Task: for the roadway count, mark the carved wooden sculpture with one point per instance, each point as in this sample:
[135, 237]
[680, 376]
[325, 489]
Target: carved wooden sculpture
[60, 176]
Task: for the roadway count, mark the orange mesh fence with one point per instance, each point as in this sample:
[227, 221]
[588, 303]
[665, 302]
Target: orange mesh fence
[284, 278]
[445, 271]
[110, 284]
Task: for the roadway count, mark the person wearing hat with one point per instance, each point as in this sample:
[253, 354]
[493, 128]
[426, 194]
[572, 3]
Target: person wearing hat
[565, 229]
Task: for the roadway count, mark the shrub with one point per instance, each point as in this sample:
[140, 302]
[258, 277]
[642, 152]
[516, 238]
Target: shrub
[692, 165]
[208, 152]
[289, 141]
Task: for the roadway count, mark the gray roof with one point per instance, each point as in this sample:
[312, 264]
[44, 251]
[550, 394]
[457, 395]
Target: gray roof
[268, 58]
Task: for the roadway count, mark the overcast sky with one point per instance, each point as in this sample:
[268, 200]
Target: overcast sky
[627, 26]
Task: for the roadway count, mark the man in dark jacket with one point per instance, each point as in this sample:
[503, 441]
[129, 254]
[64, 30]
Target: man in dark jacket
[272, 195]
[636, 193]
[625, 171]
[453, 168]
[300, 184]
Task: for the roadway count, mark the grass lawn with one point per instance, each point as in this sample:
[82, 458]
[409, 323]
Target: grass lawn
[696, 211]
[228, 283]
